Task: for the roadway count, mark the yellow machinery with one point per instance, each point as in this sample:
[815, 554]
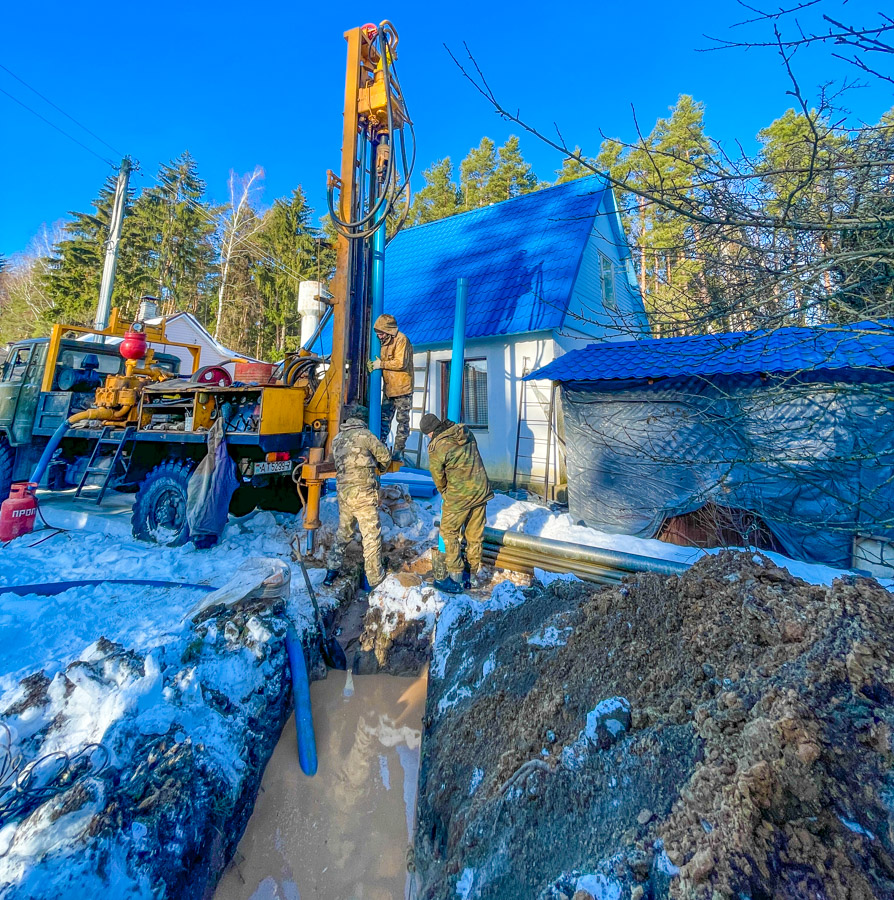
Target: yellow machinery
[279, 430]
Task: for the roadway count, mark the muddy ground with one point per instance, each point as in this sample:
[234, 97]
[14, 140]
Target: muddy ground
[722, 734]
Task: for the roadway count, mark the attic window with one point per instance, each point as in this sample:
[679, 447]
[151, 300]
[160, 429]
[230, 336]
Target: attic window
[607, 273]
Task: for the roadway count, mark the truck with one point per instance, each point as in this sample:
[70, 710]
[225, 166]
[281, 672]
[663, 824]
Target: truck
[146, 428]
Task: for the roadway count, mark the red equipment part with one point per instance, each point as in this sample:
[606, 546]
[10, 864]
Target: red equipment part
[216, 375]
[254, 372]
[17, 512]
[134, 345]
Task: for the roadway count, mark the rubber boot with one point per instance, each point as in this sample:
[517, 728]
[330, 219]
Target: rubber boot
[331, 575]
[449, 585]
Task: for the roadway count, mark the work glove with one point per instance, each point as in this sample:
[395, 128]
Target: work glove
[373, 364]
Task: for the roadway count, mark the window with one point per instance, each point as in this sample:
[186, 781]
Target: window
[474, 402]
[17, 363]
[607, 272]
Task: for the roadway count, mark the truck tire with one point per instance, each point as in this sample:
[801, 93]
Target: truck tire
[159, 511]
[7, 457]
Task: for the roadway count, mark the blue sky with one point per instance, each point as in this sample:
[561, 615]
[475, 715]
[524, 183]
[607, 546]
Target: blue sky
[241, 85]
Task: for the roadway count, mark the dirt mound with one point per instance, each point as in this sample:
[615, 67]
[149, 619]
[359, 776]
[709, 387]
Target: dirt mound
[754, 758]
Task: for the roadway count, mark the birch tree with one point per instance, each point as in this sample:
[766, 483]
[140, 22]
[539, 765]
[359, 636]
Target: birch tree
[240, 223]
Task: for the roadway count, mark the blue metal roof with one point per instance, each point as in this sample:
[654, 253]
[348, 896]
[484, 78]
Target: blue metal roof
[786, 350]
[521, 258]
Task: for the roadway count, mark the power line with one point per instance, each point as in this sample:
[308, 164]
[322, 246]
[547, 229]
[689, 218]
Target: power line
[195, 204]
[54, 125]
[59, 109]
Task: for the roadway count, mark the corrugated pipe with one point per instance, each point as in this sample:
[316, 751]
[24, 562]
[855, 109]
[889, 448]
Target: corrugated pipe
[522, 552]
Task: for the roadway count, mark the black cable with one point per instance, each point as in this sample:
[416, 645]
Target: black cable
[393, 188]
[20, 790]
[59, 109]
[60, 130]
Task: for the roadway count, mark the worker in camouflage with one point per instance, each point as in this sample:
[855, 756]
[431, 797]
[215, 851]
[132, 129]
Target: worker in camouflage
[396, 363]
[461, 479]
[359, 457]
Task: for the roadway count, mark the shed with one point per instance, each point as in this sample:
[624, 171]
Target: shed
[789, 432]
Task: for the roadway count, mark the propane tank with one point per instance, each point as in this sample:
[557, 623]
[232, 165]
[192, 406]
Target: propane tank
[17, 512]
[134, 344]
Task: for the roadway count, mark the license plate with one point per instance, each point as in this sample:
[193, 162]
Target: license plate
[273, 468]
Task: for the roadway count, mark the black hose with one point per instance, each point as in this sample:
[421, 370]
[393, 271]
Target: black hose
[393, 188]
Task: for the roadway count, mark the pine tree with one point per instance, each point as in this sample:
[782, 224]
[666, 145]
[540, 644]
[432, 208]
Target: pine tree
[439, 198]
[288, 243]
[512, 176]
[476, 173]
[573, 168]
[173, 230]
[73, 271]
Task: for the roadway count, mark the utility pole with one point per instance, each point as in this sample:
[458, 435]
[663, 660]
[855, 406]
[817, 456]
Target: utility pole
[104, 307]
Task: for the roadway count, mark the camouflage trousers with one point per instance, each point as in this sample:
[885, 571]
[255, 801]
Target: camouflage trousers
[455, 524]
[362, 507]
[402, 406]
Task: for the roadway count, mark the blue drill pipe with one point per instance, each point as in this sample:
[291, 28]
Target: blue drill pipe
[376, 309]
[457, 358]
[304, 722]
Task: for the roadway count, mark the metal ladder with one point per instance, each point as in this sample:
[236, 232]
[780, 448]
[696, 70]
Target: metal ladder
[121, 438]
[539, 449]
[419, 410]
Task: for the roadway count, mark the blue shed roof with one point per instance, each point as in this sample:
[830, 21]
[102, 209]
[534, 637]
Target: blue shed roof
[786, 350]
[521, 258]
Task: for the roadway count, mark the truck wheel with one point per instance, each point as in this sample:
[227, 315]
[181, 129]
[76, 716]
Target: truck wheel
[6, 461]
[159, 511]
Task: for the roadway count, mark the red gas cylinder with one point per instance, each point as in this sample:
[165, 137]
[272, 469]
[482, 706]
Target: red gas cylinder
[17, 512]
[134, 344]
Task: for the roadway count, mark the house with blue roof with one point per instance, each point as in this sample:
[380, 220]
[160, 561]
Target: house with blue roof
[778, 439]
[547, 272]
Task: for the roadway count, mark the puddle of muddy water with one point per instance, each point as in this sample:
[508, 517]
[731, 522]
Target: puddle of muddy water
[343, 834]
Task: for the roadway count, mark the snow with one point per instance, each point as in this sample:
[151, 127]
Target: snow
[412, 602]
[599, 886]
[532, 518]
[153, 675]
[464, 883]
[549, 636]
[462, 608]
[548, 578]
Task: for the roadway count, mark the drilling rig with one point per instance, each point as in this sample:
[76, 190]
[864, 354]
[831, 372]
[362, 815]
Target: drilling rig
[279, 431]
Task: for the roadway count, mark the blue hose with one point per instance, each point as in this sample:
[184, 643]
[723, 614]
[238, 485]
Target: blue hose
[48, 452]
[304, 722]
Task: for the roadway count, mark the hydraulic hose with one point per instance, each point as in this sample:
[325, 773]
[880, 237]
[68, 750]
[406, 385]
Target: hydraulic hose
[304, 722]
[48, 452]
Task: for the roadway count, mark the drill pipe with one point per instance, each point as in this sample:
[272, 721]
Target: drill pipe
[522, 552]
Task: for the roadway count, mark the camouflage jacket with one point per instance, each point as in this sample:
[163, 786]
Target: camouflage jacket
[358, 456]
[456, 467]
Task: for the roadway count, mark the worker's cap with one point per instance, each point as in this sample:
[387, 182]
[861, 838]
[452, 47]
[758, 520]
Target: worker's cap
[429, 423]
[357, 411]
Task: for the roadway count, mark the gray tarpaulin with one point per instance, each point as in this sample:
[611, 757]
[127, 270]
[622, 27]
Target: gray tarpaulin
[813, 456]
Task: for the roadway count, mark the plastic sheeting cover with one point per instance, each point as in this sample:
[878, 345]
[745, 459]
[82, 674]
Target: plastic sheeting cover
[813, 457]
[211, 486]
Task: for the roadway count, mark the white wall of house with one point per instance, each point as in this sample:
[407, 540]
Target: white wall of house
[184, 330]
[508, 358]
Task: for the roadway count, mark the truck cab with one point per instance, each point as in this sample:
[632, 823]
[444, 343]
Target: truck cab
[28, 415]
